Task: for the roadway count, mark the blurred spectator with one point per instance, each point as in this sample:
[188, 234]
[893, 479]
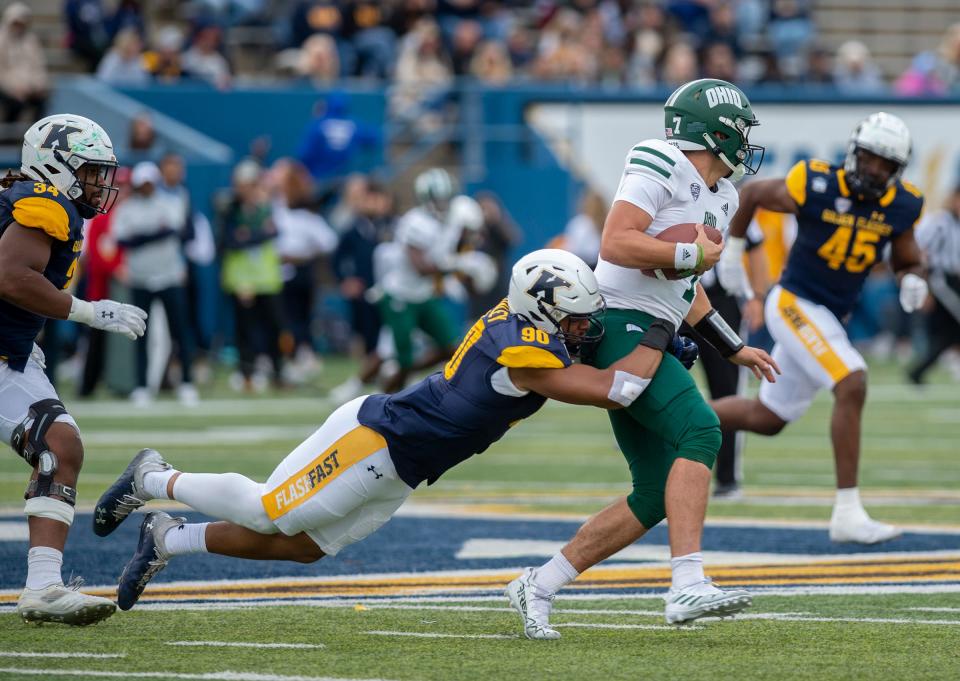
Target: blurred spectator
[123, 64]
[819, 69]
[719, 61]
[934, 74]
[353, 265]
[497, 236]
[129, 14]
[790, 28]
[302, 237]
[467, 36]
[150, 227]
[24, 82]
[491, 64]
[332, 140]
[315, 16]
[87, 34]
[373, 42]
[423, 72]
[938, 235]
[203, 58]
[679, 65]
[520, 46]
[854, 70]
[250, 271]
[165, 61]
[722, 27]
[143, 136]
[349, 203]
[561, 54]
[102, 259]
[318, 61]
[582, 233]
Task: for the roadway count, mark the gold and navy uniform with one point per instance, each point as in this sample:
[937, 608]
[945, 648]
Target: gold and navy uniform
[839, 237]
[449, 416]
[36, 205]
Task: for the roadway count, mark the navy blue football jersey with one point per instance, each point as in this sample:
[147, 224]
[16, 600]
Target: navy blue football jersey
[840, 237]
[36, 205]
[449, 416]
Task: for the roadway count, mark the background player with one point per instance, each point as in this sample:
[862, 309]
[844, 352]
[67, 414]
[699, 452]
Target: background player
[66, 175]
[354, 472]
[669, 435]
[846, 216]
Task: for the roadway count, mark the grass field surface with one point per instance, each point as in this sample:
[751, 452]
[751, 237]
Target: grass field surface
[890, 614]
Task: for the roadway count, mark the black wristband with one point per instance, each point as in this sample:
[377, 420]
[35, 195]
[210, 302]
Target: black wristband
[658, 335]
[718, 333]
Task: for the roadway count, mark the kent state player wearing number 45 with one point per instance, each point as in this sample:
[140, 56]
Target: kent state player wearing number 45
[845, 218]
[66, 175]
[669, 435]
[354, 472]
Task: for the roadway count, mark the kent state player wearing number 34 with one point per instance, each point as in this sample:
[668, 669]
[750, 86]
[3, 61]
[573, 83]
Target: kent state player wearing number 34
[66, 175]
[845, 218]
[355, 471]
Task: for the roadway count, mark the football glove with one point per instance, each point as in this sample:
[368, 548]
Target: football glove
[913, 292]
[685, 349]
[109, 315]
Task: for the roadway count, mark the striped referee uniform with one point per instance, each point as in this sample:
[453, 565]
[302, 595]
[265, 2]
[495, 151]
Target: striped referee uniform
[938, 235]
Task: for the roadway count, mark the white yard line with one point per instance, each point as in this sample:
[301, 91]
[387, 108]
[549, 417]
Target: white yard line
[99, 656]
[209, 676]
[605, 625]
[933, 609]
[238, 644]
[422, 634]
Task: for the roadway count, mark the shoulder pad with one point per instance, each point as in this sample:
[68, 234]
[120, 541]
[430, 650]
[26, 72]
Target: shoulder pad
[911, 188]
[654, 159]
[523, 346]
[417, 229]
[820, 166]
[43, 206]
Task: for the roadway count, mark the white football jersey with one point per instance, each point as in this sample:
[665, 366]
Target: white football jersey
[399, 278]
[659, 179]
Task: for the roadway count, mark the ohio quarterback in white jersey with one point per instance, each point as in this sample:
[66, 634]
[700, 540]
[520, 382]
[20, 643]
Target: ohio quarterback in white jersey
[669, 435]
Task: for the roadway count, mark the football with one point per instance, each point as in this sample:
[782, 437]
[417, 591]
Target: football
[685, 232]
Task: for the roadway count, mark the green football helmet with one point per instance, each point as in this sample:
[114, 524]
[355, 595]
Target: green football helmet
[716, 115]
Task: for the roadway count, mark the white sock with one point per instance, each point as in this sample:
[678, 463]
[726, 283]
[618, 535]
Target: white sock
[227, 496]
[687, 570]
[186, 538]
[555, 574]
[155, 483]
[848, 506]
[43, 567]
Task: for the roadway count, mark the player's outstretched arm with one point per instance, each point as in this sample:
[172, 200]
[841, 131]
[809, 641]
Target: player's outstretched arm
[24, 254]
[612, 388]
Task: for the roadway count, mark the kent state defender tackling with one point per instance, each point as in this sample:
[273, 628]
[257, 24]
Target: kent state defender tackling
[846, 217]
[66, 175]
[355, 471]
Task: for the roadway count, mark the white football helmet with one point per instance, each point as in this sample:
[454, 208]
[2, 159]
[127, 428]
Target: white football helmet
[549, 285]
[433, 189]
[55, 149]
[886, 136]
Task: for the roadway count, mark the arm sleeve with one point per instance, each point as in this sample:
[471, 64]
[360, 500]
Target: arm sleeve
[754, 235]
[636, 188]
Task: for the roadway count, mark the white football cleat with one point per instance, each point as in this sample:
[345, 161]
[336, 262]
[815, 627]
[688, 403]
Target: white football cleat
[59, 603]
[864, 531]
[534, 610]
[703, 599]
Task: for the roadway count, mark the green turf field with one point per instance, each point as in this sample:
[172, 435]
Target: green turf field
[562, 461]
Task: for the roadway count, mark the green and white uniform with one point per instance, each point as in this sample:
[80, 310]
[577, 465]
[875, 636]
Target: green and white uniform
[670, 419]
[411, 299]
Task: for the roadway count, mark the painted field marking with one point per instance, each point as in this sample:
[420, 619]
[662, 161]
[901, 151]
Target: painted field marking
[14, 531]
[421, 634]
[933, 609]
[238, 644]
[98, 656]
[607, 625]
[208, 676]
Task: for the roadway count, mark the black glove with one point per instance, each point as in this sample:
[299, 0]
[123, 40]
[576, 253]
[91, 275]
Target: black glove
[685, 349]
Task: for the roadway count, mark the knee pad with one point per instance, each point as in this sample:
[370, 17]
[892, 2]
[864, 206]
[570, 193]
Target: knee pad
[702, 439]
[45, 507]
[34, 450]
[648, 506]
